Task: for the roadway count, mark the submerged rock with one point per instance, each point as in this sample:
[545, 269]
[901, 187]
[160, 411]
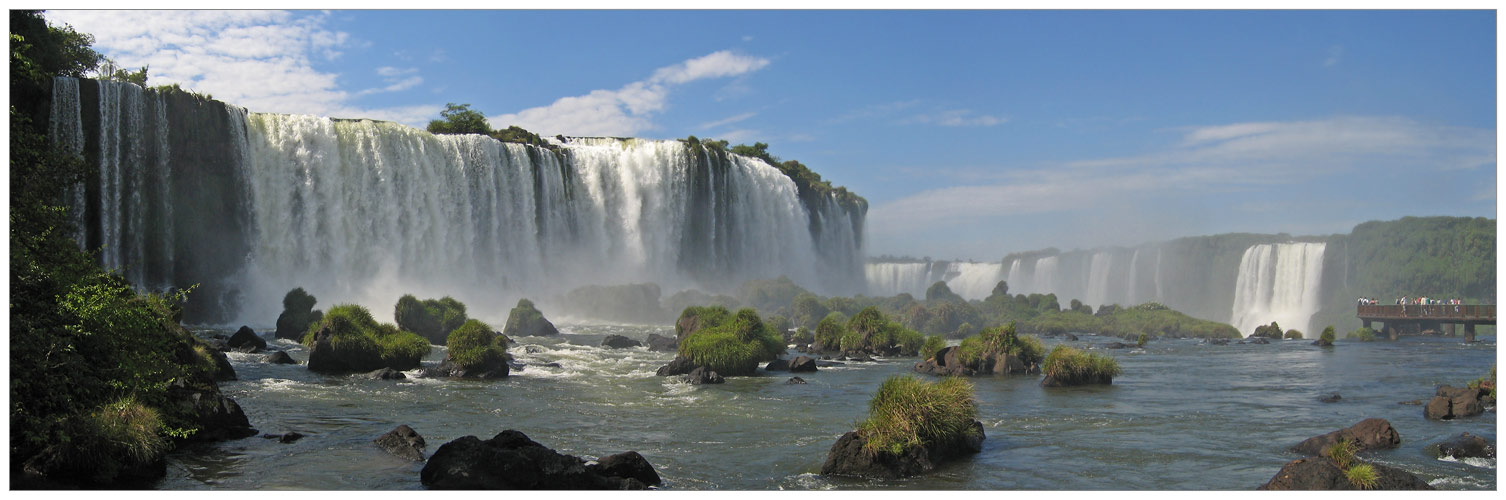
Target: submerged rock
[679, 366]
[802, 364]
[778, 365]
[619, 342]
[404, 442]
[280, 358]
[847, 457]
[284, 438]
[497, 368]
[1454, 402]
[1465, 445]
[384, 374]
[794, 381]
[700, 375]
[511, 461]
[1330, 398]
[246, 340]
[1369, 434]
[660, 343]
[1316, 473]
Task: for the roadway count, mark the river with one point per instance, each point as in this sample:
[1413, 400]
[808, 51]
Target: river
[1183, 415]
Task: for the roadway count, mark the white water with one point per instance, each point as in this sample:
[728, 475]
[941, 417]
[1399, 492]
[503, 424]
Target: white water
[1097, 293]
[974, 280]
[66, 130]
[893, 278]
[1278, 282]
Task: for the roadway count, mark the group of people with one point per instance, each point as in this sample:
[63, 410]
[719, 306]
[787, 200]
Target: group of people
[1412, 301]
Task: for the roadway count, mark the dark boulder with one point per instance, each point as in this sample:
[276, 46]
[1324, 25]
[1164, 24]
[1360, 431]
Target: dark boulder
[403, 442]
[679, 366]
[847, 457]
[860, 356]
[803, 364]
[284, 438]
[526, 321]
[1330, 398]
[1316, 473]
[218, 343]
[778, 365]
[1117, 345]
[1464, 445]
[1218, 341]
[244, 338]
[1322, 343]
[384, 374]
[619, 342]
[1070, 337]
[1454, 402]
[511, 461]
[222, 369]
[828, 364]
[1369, 434]
[281, 358]
[1256, 340]
[700, 375]
[660, 343]
[324, 358]
[218, 417]
[794, 381]
[627, 465]
[497, 368]
[945, 362]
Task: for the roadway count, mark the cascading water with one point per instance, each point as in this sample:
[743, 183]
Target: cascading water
[195, 191]
[974, 280]
[893, 278]
[1044, 275]
[1097, 292]
[1278, 282]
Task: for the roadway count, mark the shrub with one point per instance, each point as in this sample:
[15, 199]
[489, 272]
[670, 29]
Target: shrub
[1362, 335]
[1327, 336]
[1485, 383]
[1293, 334]
[459, 119]
[1341, 452]
[365, 344]
[1142, 339]
[1069, 366]
[475, 345]
[1363, 476]
[998, 342]
[932, 344]
[297, 313]
[431, 318]
[907, 412]
[733, 347]
[829, 332]
[803, 336]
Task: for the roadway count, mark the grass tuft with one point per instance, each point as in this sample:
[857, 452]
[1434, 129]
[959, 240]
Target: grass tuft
[733, 347]
[1341, 452]
[1070, 366]
[1000, 341]
[908, 412]
[475, 345]
[1363, 476]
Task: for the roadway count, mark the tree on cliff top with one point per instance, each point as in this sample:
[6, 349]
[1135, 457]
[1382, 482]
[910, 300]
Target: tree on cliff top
[460, 119]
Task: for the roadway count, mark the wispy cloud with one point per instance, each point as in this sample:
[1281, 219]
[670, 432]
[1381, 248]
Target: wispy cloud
[874, 111]
[1334, 54]
[397, 79]
[262, 60]
[727, 121]
[627, 110]
[956, 118]
[1221, 158]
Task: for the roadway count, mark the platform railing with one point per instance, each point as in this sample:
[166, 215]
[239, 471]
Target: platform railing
[1438, 311]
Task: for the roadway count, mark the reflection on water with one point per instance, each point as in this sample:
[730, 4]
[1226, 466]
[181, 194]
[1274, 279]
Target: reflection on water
[1182, 415]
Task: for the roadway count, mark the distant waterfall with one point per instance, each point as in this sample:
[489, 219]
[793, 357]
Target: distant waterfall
[1278, 282]
[1097, 293]
[195, 191]
[974, 281]
[893, 278]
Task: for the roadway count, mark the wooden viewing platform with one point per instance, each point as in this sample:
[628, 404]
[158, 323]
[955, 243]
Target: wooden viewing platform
[1414, 319]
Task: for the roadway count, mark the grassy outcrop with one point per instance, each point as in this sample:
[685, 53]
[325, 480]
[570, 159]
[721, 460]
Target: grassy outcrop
[1067, 366]
[297, 314]
[999, 342]
[526, 321]
[475, 345]
[1362, 335]
[432, 318]
[733, 346]
[349, 340]
[908, 412]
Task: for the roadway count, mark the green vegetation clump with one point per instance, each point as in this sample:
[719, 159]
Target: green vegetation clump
[807, 310]
[297, 314]
[1069, 366]
[1362, 334]
[431, 318]
[1341, 452]
[1363, 476]
[802, 335]
[524, 320]
[1293, 334]
[932, 344]
[1486, 383]
[997, 342]
[907, 412]
[459, 119]
[474, 345]
[1326, 338]
[1271, 331]
[1141, 340]
[829, 332]
[696, 318]
[939, 291]
[733, 346]
[364, 344]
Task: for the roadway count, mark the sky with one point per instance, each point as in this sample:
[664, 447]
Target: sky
[972, 134]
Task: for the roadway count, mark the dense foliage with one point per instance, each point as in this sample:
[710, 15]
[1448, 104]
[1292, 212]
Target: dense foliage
[1069, 366]
[732, 346]
[475, 345]
[367, 345]
[431, 318]
[908, 412]
[91, 360]
[459, 119]
[1361, 334]
[1446, 257]
[1000, 341]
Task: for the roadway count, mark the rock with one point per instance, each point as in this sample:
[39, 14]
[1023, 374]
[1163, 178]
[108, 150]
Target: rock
[550, 364]
[1465, 445]
[1369, 434]
[1257, 340]
[281, 358]
[284, 438]
[1454, 402]
[1322, 343]
[794, 380]
[619, 342]
[219, 418]
[700, 375]
[532, 349]
[1315, 473]
[629, 465]
[1117, 345]
[384, 374]
[526, 321]
[511, 461]
[860, 356]
[660, 343]
[323, 358]
[828, 364]
[1219, 342]
[449, 368]
[778, 365]
[803, 364]
[847, 458]
[245, 337]
[1331, 398]
[1070, 337]
[679, 366]
[1415, 402]
[944, 363]
[218, 343]
[222, 369]
[403, 442]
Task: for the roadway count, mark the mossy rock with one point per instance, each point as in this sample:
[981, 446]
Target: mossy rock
[733, 347]
[349, 340]
[527, 321]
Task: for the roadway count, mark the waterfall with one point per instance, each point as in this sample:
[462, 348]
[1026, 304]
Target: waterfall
[1043, 280]
[972, 280]
[1278, 282]
[1131, 298]
[251, 205]
[1097, 292]
[66, 130]
[887, 279]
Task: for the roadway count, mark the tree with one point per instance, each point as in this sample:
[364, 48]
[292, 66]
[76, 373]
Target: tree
[460, 119]
[108, 70]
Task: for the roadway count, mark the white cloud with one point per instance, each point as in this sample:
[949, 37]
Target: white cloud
[1235, 157]
[397, 79]
[626, 111]
[1334, 54]
[262, 60]
[728, 120]
[956, 118]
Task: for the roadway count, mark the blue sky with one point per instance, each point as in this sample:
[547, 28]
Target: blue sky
[972, 133]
